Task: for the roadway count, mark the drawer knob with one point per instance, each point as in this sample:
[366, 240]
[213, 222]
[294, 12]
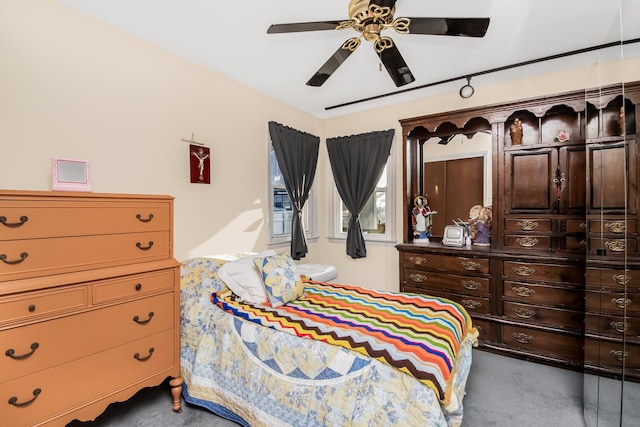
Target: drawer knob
[523, 291]
[527, 242]
[619, 355]
[524, 313]
[471, 285]
[621, 302]
[3, 221]
[12, 353]
[620, 326]
[419, 278]
[523, 270]
[471, 304]
[615, 227]
[621, 279]
[31, 308]
[418, 260]
[615, 245]
[470, 265]
[142, 322]
[23, 256]
[143, 358]
[144, 248]
[14, 400]
[527, 225]
[147, 219]
[522, 338]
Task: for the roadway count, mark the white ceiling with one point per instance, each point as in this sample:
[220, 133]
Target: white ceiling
[230, 38]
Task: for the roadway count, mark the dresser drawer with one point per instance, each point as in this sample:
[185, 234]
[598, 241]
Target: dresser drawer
[528, 225]
[573, 226]
[440, 281]
[548, 316]
[529, 242]
[543, 272]
[130, 286]
[36, 219]
[613, 246]
[614, 226]
[606, 278]
[542, 342]
[613, 326]
[39, 257]
[445, 263]
[614, 303]
[543, 294]
[35, 305]
[42, 345]
[484, 329]
[472, 304]
[612, 354]
[66, 386]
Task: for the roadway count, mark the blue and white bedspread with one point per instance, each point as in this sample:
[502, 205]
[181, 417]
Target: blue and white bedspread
[258, 376]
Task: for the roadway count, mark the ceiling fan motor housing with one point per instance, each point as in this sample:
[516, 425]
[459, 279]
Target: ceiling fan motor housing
[369, 20]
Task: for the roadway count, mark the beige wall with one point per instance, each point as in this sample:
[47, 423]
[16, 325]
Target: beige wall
[73, 87]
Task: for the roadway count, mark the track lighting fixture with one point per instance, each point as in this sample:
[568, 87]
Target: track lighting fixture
[467, 90]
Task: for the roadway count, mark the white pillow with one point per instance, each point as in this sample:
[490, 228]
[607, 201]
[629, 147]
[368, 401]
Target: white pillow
[244, 279]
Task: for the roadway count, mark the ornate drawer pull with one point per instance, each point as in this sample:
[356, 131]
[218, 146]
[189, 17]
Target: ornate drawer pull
[470, 265]
[616, 227]
[621, 279]
[12, 353]
[471, 304]
[23, 256]
[527, 242]
[144, 248]
[523, 270]
[23, 219]
[620, 326]
[472, 285]
[142, 322]
[527, 225]
[583, 225]
[619, 355]
[418, 260]
[522, 338]
[524, 313]
[616, 245]
[143, 358]
[149, 218]
[621, 302]
[14, 400]
[523, 291]
[418, 277]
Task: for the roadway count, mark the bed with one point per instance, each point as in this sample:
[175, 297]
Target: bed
[238, 363]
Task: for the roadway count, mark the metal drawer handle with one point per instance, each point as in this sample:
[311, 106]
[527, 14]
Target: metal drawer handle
[619, 355]
[418, 277]
[144, 248]
[12, 353]
[472, 285]
[621, 302]
[14, 400]
[523, 291]
[523, 270]
[583, 225]
[149, 218]
[143, 358]
[418, 260]
[23, 219]
[620, 326]
[527, 242]
[522, 338]
[616, 245]
[470, 265]
[471, 304]
[524, 313]
[23, 256]
[621, 279]
[142, 322]
[527, 225]
[616, 227]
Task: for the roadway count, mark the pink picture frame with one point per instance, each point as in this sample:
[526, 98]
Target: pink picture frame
[70, 175]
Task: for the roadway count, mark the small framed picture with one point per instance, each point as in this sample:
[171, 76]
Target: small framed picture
[70, 175]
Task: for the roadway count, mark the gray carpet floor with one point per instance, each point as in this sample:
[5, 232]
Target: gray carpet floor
[501, 392]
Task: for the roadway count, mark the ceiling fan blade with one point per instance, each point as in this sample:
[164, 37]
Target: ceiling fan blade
[332, 64]
[395, 65]
[466, 27]
[303, 26]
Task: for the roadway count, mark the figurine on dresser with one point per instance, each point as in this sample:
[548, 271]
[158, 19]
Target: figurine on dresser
[421, 218]
[480, 223]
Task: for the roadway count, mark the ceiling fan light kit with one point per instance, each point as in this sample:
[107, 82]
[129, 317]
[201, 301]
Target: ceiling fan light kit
[370, 18]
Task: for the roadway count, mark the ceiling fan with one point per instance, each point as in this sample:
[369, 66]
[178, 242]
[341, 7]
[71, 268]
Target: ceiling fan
[370, 18]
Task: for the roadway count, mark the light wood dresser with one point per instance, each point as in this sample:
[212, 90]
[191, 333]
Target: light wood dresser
[89, 303]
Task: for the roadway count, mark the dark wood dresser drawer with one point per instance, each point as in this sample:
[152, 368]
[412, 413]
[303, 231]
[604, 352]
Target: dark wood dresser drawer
[440, 281]
[544, 294]
[614, 279]
[614, 226]
[445, 263]
[472, 304]
[554, 317]
[613, 326]
[613, 303]
[543, 272]
[612, 354]
[527, 242]
[528, 225]
[545, 343]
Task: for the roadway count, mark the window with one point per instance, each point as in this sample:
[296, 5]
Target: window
[377, 218]
[282, 208]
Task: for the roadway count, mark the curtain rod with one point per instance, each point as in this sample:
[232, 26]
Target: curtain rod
[492, 70]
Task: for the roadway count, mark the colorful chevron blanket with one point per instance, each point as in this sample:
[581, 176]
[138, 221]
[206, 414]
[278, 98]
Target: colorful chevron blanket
[418, 335]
